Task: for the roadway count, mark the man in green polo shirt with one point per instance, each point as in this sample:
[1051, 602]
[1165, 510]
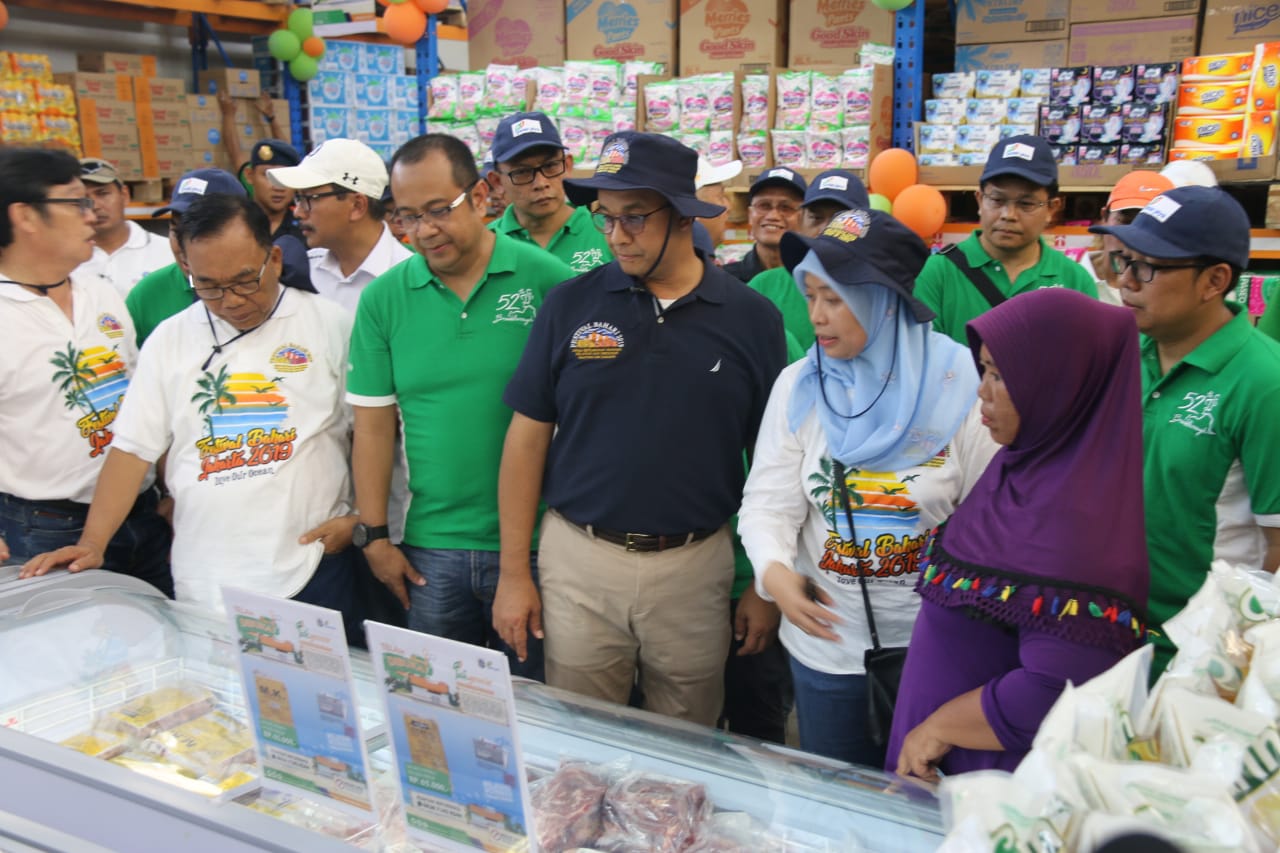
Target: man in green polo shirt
[529, 164]
[436, 340]
[1211, 396]
[1017, 199]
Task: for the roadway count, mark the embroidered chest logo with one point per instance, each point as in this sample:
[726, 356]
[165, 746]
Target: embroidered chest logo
[515, 307]
[93, 382]
[596, 341]
[586, 260]
[244, 416]
[110, 326]
[290, 358]
[1196, 412]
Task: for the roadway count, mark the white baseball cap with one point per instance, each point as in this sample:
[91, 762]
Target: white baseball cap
[1187, 173]
[346, 163]
[708, 174]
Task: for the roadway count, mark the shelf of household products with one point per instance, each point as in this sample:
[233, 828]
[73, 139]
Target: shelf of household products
[240, 16]
[124, 713]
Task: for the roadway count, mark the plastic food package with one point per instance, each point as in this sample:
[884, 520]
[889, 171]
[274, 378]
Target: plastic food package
[209, 747]
[172, 773]
[734, 832]
[789, 148]
[823, 149]
[444, 97]
[755, 103]
[159, 710]
[98, 744]
[645, 813]
[855, 94]
[794, 90]
[309, 815]
[827, 107]
[720, 93]
[568, 806]
[1100, 716]
[550, 90]
[993, 810]
[662, 106]
[753, 149]
[695, 105]
[1260, 691]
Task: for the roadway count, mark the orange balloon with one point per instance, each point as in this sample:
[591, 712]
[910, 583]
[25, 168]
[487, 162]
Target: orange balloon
[892, 171]
[4, 15]
[313, 47]
[922, 209]
[404, 23]
[432, 7]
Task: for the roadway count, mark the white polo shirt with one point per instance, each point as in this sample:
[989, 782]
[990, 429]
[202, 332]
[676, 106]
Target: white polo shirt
[258, 442]
[61, 382]
[329, 282]
[141, 254]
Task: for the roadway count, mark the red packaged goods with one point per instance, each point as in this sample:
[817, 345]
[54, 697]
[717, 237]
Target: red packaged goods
[567, 807]
[652, 814]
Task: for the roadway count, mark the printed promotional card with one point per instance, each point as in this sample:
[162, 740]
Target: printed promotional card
[452, 724]
[296, 673]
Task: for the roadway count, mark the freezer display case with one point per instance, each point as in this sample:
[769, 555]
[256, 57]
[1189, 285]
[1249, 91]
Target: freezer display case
[123, 728]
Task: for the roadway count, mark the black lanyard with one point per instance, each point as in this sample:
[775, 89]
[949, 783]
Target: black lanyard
[217, 347]
[43, 288]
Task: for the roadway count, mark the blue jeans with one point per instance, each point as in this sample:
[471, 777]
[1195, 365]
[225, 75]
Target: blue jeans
[335, 585]
[457, 602]
[140, 547]
[832, 714]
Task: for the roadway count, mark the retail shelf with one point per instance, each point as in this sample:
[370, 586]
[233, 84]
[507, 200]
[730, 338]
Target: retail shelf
[241, 16]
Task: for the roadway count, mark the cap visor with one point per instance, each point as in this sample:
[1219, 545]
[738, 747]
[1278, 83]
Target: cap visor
[583, 191]
[298, 177]
[168, 208]
[1025, 174]
[518, 149]
[1144, 242]
[772, 182]
[833, 196]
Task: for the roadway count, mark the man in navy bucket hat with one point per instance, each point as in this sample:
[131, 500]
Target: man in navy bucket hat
[1210, 395]
[529, 165]
[1017, 199]
[641, 385]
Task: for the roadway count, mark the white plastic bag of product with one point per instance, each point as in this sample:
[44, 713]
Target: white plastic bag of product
[720, 92]
[1188, 723]
[753, 149]
[695, 105]
[827, 107]
[1260, 691]
[549, 94]
[823, 149]
[443, 92]
[789, 148]
[662, 106]
[994, 810]
[1098, 716]
[755, 103]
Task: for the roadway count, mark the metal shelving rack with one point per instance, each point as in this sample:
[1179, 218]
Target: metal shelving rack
[908, 72]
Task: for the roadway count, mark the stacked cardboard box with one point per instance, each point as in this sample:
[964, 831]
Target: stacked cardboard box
[164, 126]
[828, 34]
[1227, 105]
[1235, 26]
[999, 35]
[526, 34]
[971, 111]
[108, 118]
[639, 29]
[34, 110]
[719, 36]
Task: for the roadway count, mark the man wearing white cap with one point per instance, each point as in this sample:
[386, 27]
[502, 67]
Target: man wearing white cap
[1190, 173]
[709, 185]
[339, 190]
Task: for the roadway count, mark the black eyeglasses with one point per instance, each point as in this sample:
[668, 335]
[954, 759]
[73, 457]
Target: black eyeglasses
[525, 174]
[1142, 271]
[83, 202]
[305, 199]
[632, 223]
[409, 219]
[215, 292]
[1025, 206]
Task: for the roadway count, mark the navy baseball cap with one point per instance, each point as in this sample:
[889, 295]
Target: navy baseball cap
[630, 160]
[1027, 157]
[1188, 222]
[519, 132]
[199, 183]
[273, 152]
[840, 186]
[779, 176]
[864, 246]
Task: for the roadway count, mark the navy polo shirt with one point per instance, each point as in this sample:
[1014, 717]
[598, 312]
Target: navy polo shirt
[653, 408]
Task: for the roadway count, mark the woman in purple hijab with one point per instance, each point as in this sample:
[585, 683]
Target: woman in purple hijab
[1039, 576]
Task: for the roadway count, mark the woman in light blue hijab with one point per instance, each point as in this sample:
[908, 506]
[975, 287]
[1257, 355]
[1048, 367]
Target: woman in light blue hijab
[878, 419]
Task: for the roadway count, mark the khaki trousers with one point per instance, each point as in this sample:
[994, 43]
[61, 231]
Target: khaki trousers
[609, 613]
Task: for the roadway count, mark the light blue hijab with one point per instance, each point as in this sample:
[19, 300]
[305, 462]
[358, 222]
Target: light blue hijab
[896, 404]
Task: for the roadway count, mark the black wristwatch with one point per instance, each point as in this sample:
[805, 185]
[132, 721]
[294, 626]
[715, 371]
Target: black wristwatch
[362, 535]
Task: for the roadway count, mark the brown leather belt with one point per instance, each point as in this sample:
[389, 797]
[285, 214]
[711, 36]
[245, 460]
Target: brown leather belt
[647, 542]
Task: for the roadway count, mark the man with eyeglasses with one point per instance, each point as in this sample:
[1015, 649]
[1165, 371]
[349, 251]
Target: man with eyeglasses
[123, 251]
[69, 358]
[1007, 255]
[1210, 395]
[530, 163]
[773, 209]
[436, 339]
[642, 384]
[241, 393]
[339, 190]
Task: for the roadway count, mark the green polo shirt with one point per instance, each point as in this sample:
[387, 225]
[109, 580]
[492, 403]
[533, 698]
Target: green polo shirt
[578, 242]
[446, 364]
[156, 297]
[779, 287]
[1211, 427]
[956, 301]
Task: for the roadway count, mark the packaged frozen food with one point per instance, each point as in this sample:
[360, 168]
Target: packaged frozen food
[647, 813]
[159, 710]
[568, 806]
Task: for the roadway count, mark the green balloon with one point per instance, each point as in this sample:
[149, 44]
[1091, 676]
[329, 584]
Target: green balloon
[304, 67]
[882, 203]
[284, 45]
[301, 22]
[892, 5]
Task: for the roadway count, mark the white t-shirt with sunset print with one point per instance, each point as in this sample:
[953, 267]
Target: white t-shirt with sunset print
[792, 514]
[61, 382]
[258, 442]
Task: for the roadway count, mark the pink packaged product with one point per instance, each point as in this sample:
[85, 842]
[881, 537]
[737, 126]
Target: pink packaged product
[1060, 124]
[1156, 83]
[1145, 123]
[1070, 86]
[753, 149]
[1066, 155]
[1113, 84]
[1101, 123]
[1142, 155]
[1099, 155]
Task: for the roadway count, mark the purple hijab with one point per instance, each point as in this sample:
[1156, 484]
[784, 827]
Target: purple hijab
[1052, 535]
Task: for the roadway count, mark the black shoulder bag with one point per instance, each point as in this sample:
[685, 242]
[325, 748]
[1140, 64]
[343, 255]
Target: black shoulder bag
[980, 280]
[883, 664]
